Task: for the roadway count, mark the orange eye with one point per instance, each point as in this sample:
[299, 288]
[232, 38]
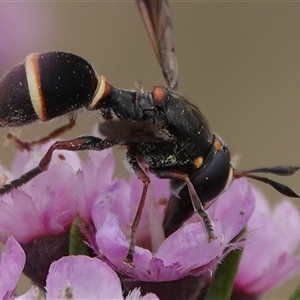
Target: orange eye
[159, 93]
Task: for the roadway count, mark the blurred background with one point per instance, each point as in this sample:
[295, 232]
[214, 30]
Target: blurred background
[239, 62]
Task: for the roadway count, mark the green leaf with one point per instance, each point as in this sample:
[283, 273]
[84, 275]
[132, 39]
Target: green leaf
[222, 283]
[76, 245]
[296, 294]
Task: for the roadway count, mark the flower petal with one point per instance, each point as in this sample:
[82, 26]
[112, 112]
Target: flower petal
[268, 257]
[24, 220]
[95, 177]
[187, 251]
[12, 262]
[82, 277]
[150, 296]
[233, 208]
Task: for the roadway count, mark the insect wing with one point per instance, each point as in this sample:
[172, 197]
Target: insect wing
[128, 132]
[157, 19]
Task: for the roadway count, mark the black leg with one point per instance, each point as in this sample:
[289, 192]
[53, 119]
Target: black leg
[196, 202]
[77, 144]
[140, 173]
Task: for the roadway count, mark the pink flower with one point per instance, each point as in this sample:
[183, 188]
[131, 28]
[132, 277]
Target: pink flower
[83, 277]
[269, 256]
[185, 258]
[12, 262]
[39, 214]
[78, 277]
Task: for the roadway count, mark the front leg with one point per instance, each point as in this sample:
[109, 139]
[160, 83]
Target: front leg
[141, 174]
[196, 202]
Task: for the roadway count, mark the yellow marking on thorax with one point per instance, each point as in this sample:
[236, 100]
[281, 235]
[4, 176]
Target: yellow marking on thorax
[198, 162]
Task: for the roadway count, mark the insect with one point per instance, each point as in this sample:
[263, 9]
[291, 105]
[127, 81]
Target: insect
[160, 128]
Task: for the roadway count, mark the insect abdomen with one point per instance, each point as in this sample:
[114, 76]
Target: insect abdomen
[15, 104]
[45, 86]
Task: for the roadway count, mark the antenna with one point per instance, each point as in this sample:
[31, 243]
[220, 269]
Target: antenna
[278, 170]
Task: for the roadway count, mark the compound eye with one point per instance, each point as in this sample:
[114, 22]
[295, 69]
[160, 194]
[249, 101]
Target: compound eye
[159, 95]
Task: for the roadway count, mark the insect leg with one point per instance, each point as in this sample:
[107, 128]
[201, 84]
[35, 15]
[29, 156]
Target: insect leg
[52, 135]
[196, 202]
[77, 144]
[140, 173]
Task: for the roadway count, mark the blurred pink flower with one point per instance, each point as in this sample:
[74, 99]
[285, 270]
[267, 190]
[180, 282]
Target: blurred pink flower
[12, 262]
[269, 256]
[25, 27]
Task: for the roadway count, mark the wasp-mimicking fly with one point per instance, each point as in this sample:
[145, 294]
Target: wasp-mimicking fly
[161, 128]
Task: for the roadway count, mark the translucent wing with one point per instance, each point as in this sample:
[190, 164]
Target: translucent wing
[157, 18]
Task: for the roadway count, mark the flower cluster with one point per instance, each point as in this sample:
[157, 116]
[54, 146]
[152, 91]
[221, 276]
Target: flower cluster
[35, 224]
